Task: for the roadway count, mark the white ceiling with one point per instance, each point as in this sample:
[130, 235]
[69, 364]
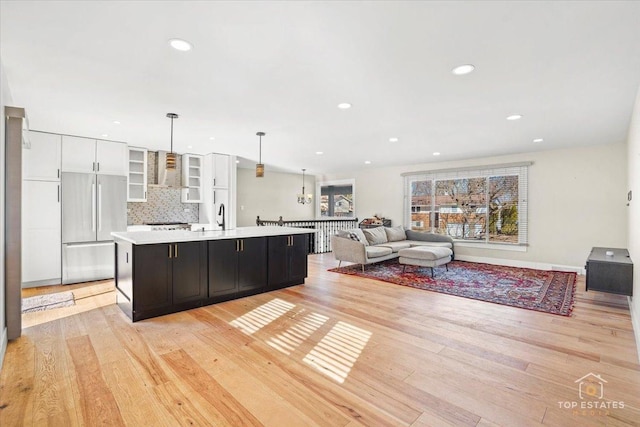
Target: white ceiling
[571, 69]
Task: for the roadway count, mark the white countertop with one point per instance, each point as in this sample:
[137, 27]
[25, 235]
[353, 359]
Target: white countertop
[174, 236]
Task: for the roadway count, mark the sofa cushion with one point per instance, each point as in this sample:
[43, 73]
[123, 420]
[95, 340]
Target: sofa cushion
[396, 246]
[377, 251]
[375, 235]
[395, 234]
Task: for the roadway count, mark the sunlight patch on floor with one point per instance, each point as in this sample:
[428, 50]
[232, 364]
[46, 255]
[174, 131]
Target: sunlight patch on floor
[338, 351]
[256, 319]
[289, 340]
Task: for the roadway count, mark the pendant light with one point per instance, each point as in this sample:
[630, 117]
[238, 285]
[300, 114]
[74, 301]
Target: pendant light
[260, 165]
[171, 156]
[302, 197]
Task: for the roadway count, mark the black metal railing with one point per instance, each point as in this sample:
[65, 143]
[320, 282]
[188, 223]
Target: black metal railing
[320, 241]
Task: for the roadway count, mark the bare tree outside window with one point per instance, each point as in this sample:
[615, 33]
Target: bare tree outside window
[474, 209]
[503, 209]
[462, 208]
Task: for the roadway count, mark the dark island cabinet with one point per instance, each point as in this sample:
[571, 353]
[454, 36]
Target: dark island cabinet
[154, 279]
[166, 278]
[237, 267]
[287, 260]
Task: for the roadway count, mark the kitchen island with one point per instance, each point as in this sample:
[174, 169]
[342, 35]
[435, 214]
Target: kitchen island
[162, 272]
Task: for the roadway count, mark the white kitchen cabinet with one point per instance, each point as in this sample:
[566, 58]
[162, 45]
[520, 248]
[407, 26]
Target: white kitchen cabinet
[221, 166]
[192, 167]
[41, 233]
[86, 155]
[42, 160]
[220, 191]
[111, 158]
[137, 178]
[78, 154]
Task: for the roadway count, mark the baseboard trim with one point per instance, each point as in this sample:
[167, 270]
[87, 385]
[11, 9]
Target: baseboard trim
[635, 322]
[3, 346]
[521, 264]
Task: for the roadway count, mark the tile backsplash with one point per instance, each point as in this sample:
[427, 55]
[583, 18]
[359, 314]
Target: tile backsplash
[163, 204]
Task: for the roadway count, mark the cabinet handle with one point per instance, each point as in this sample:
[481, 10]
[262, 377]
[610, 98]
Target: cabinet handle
[170, 252]
[214, 197]
[58, 173]
[176, 252]
[237, 245]
[242, 245]
[214, 182]
[58, 193]
[93, 168]
[98, 166]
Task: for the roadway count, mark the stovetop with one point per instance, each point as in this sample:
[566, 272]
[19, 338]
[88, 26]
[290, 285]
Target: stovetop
[166, 223]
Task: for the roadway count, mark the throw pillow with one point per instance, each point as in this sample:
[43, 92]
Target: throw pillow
[357, 235]
[375, 235]
[395, 234]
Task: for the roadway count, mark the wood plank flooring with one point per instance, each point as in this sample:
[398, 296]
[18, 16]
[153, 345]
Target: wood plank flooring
[337, 351]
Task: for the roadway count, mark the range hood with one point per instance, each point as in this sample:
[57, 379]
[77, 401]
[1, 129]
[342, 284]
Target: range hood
[168, 178]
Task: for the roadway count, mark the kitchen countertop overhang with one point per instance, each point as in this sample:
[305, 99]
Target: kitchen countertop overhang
[175, 236]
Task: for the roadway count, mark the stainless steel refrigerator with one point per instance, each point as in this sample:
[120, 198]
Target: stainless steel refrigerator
[92, 207]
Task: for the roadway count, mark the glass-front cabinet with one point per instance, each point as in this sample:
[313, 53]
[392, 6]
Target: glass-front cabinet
[137, 176]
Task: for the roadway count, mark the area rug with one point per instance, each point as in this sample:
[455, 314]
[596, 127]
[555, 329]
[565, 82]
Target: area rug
[540, 290]
[47, 302]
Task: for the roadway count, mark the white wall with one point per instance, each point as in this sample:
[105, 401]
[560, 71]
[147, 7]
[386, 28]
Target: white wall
[5, 99]
[633, 157]
[576, 201]
[272, 196]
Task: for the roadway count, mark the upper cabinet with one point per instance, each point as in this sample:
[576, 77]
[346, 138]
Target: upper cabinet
[137, 178]
[87, 155]
[111, 158]
[192, 178]
[220, 171]
[41, 162]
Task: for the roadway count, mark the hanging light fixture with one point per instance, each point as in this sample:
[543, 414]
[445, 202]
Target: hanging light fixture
[260, 165]
[171, 156]
[302, 197]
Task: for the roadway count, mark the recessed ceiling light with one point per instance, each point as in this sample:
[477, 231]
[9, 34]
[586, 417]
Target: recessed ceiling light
[463, 69]
[538, 140]
[115, 122]
[394, 139]
[212, 138]
[104, 135]
[514, 117]
[237, 161]
[319, 153]
[181, 45]
[344, 106]
[436, 153]
[367, 162]
[189, 146]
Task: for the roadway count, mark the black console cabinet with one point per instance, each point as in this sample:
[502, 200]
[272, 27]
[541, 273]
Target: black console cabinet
[610, 273]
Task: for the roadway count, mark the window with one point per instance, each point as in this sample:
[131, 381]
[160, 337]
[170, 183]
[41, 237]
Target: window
[484, 205]
[337, 199]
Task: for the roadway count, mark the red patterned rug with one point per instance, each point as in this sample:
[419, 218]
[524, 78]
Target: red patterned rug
[540, 290]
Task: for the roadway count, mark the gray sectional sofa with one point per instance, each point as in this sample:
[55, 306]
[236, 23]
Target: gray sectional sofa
[382, 243]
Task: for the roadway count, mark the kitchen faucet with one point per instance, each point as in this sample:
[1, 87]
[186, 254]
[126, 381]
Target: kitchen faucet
[221, 212]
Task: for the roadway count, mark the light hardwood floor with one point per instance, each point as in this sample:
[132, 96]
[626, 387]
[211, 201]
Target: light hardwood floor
[337, 351]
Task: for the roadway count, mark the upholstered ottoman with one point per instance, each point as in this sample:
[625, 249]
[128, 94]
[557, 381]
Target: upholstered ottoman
[425, 256]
